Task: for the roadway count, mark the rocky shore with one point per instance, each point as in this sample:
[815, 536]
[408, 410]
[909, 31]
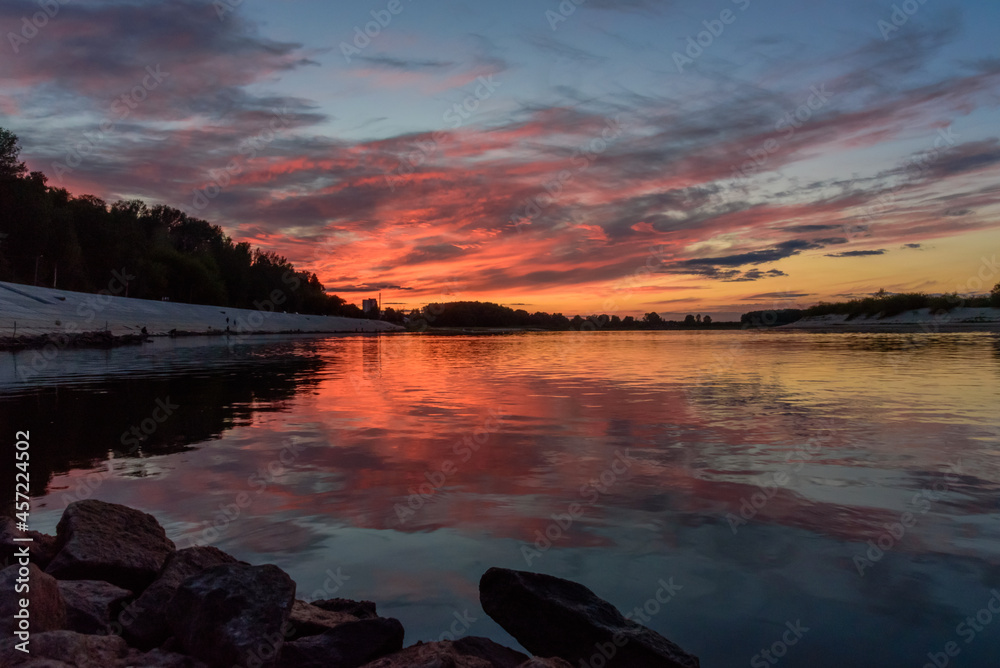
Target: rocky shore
[81, 340]
[110, 590]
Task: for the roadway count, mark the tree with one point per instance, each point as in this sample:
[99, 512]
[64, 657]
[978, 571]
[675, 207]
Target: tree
[652, 318]
[10, 149]
[689, 319]
[707, 320]
[995, 296]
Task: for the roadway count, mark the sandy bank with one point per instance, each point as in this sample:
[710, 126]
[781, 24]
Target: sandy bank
[921, 320]
[33, 311]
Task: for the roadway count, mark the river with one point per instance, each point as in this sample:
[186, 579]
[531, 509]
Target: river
[846, 486]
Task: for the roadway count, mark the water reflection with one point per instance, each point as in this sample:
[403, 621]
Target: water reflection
[759, 467]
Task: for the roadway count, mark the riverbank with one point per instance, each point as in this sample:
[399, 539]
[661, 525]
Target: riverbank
[111, 590]
[30, 311]
[920, 320]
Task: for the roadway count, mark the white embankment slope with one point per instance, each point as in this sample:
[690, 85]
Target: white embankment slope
[921, 320]
[35, 310]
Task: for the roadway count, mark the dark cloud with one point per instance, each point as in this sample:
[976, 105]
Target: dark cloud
[96, 52]
[778, 252]
[858, 253]
[913, 246]
[432, 253]
[406, 64]
[777, 295]
[755, 275]
[806, 229]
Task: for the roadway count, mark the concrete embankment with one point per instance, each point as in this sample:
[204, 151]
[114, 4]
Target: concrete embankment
[920, 320]
[30, 311]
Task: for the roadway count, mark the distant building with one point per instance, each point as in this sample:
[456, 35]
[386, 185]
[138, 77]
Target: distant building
[369, 305]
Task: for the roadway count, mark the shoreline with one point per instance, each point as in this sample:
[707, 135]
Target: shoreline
[28, 312]
[112, 589]
[919, 321]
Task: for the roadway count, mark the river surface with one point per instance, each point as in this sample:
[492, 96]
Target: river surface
[846, 486]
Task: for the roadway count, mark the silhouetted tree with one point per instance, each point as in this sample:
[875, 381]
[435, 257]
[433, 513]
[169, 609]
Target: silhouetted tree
[169, 253]
[689, 319]
[10, 149]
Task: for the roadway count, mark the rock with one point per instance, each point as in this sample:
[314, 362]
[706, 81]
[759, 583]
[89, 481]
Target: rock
[41, 549]
[360, 609]
[349, 645]
[484, 648]
[144, 622]
[110, 542]
[46, 608]
[553, 617]
[91, 604]
[464, 653]
[308, 620]
[233, 614]
[158, 658]
[55, 649]
[546, 663]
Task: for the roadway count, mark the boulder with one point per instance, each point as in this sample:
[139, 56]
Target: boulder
[233, 614]
[91, 605]
[110, 542]
[349, 645]
[552, 617]
[463, 653]
[360, 609]
[144, 622]
[158, 658]
[537, 662]
[484, 648]
[46, 608]
[308, 620]
[41, 549]
[55, 649]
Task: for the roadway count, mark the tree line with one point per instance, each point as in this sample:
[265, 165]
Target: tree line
[882, 304]
[50, 237]
[490, 315]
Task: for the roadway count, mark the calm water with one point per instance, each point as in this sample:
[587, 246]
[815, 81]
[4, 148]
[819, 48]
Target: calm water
[752, 470]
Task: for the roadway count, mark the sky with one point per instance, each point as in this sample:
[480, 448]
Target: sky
[601, 157]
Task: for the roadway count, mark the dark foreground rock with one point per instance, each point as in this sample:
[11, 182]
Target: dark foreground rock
[69, 649]
[234, 614]
[469, 652]
[552, 617]
[46, 609]
[41, 548]
[144, 622]
[309, 620]
[202, 608]
[546, 663]
[348, 645]
[110, 542]
[360, 609]
[91, 605]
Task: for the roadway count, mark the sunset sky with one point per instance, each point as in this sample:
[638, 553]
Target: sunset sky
[610, 157]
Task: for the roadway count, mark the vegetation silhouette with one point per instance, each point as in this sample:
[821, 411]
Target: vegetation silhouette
[50, 237]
